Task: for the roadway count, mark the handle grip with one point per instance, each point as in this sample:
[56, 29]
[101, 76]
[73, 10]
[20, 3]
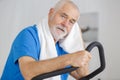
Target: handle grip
[67, 70]
[102, 60]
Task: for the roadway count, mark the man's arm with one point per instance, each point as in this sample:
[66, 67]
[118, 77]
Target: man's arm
[30, 68]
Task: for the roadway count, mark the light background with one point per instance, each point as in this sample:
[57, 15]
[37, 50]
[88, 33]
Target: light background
[17, 14]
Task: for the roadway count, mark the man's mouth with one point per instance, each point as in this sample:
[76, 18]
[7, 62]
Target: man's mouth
[61, 29]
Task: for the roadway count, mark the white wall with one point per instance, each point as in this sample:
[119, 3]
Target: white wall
[109, 35]
[109, 26]
[16, 14]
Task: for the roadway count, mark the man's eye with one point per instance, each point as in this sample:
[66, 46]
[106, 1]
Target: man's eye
[72, 22]
[63, 16]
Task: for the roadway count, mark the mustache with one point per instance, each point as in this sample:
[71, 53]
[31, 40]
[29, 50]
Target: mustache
[62, 28]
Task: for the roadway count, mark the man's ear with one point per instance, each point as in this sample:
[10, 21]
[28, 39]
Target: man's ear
[51, 11]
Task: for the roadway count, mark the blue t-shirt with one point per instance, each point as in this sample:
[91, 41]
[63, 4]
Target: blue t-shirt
[25, 44]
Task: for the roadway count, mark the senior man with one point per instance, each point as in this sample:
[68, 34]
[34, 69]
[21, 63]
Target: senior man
[52, 44]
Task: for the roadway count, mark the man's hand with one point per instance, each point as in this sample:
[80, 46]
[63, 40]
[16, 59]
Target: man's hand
[80, 59]
[83, 71]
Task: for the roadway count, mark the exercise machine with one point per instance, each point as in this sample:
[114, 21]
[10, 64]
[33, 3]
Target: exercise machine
[70, 69]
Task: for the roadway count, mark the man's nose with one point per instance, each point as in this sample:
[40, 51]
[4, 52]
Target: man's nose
[65, 23]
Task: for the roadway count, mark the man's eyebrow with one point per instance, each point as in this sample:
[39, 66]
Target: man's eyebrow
[64, 14]
[74, 20]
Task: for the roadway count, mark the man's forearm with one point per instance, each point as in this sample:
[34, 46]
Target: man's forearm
[30, 68]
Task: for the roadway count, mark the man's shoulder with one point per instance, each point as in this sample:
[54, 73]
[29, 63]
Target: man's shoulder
[28, 32]
[31, 28]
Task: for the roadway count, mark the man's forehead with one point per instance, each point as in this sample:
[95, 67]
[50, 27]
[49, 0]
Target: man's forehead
[70, 11]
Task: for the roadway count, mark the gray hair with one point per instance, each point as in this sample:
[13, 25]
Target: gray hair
[61, 3]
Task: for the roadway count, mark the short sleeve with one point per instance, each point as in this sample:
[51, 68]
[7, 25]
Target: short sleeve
[26, 44]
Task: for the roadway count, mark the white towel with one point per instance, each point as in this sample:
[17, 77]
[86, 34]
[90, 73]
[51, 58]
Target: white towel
[72, 43]
[48, 49]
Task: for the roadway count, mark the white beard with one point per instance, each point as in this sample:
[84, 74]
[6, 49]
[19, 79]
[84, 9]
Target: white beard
[58, 32]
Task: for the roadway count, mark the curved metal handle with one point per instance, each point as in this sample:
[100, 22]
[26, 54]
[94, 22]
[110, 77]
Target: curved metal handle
[102, 60]
[67, 70]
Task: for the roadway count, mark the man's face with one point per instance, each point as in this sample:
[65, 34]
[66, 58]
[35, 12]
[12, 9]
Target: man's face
[61, 21]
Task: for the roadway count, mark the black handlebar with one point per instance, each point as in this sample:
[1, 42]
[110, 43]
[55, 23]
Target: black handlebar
[67, 70]
[102, 60]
